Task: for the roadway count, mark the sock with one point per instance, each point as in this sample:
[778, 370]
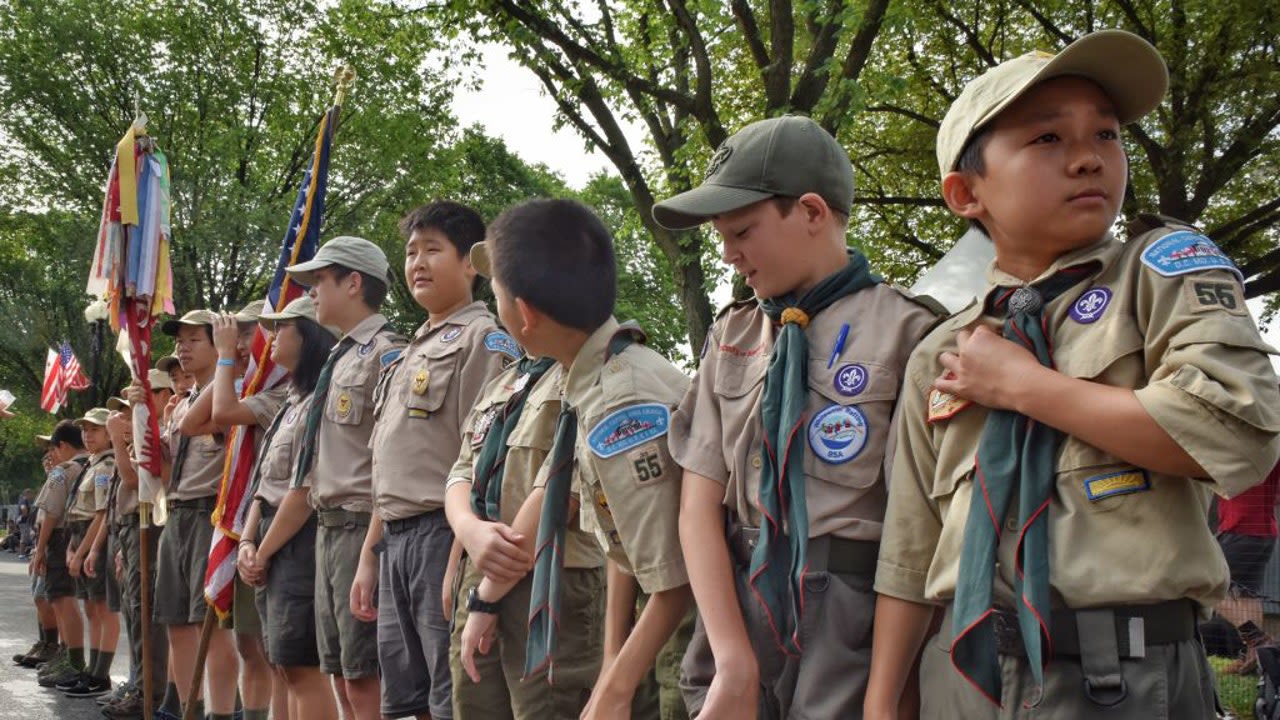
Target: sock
[199, 709]
[40, 628]
[51, 635]
[91, 667]
[102, 670]
[76, 655]
[170, 703]
[262, 714]
[228, 716]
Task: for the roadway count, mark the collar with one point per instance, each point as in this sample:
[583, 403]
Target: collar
[463, 316]
[367, 329]
[586, 365]
[1105, 251]
[104, 455]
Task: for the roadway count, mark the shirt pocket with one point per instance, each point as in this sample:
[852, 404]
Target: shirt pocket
[849, 418]
[537, 427]
[347, 396]
[428, 375]
[1090, 351]
[738, 384]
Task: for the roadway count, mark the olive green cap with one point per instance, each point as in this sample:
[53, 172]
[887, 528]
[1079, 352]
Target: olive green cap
[195, 318]
[97, 416]
[345, 250]
[300, 307]
[784, 156]
[1127, 68]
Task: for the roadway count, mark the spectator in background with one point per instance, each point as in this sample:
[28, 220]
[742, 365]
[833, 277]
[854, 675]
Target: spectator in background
[1247, 533]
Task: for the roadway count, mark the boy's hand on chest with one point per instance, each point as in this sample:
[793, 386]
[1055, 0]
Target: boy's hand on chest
[988, 369]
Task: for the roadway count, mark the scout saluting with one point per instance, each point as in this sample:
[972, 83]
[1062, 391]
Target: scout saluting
[1130, 384]
[786, 428]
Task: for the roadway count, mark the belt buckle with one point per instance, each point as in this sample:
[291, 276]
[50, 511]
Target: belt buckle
[349, 524]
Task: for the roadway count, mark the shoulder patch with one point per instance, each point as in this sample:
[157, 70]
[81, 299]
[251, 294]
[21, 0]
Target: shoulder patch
[57, 476]
[629, 427]
[102, 480]
[498, 341]
[1182, 252]
[390, 356]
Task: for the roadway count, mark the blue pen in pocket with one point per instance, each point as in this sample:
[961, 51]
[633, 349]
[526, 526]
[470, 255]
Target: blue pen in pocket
[839, 348]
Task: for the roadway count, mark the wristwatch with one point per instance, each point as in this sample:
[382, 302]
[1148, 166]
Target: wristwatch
[475, 604]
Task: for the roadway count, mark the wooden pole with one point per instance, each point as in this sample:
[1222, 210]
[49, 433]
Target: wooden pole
[144, 572]
[202, 652]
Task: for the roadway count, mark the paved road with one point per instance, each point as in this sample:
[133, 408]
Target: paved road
[20, 697]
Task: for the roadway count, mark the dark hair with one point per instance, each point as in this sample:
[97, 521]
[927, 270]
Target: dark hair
[67, 432]
[316, 344]
[786, 203]
[462, 225]
[373, 290]
[971, 162]
[557, 256]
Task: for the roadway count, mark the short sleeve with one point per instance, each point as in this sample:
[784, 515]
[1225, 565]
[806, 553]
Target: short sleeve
[696, 440]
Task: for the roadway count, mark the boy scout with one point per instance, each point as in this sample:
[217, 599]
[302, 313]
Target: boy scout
[1132, 384]
[490, 494]
[89, 505]
[554, 275]
[422, 400]
[348, 279]
[787, 426]
[51, 556]
[197, 457]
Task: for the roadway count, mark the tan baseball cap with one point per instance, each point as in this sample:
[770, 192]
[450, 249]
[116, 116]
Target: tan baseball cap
[480, 259]
[300, 307]
[44, 441]
[167, 364]
[1127, 68]
[347, 251]
[159, 379]
[194, 318]
[117, 403]
[97, 416]
[251, 312]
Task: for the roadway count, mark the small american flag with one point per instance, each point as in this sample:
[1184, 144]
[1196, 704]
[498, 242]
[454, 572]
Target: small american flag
[62, 372]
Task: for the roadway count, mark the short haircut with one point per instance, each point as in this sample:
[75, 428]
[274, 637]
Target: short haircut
[971, 162]
[316, 344]
[557, 256]
[373, 290]
[786, 203]
[459, 223]
[67, 432]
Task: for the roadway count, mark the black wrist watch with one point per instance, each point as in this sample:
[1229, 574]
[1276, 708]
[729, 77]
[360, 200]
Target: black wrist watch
[475, 604]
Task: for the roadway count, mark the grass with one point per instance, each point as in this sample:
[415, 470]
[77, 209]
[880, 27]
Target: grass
[1237, 692]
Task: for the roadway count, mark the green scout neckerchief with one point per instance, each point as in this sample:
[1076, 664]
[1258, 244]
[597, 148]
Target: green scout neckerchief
[1015, 455]
[319, 398]
[779, 561]
[491, 465]
[544, 601]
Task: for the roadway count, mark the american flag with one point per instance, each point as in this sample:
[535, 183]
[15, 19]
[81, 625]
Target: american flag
[62, 372]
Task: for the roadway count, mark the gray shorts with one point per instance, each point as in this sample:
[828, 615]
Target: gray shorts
[182, 559]
[287, 603]
[58, 582]
[347, 646]
[115, 541]
[413, 633]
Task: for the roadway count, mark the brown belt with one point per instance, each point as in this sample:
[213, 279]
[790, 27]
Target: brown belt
[825, 552]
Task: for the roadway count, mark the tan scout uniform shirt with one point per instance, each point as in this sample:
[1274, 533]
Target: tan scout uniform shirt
[277, 460]
[716, 431]
[343, 474]
[422, 404]
[52, 500]
[527, 449]
[202, 468]
[126, 497]
[1117, 534]
[628, 484]
[264, 406]
[91, 496]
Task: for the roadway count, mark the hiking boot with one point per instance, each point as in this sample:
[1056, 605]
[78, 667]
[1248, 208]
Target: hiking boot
[68, 676]
[119, 692]
[89, 686]
[40, 652]
[60, 662]
[128, 707]
[71, 682]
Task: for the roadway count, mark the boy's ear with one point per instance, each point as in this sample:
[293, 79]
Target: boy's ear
[530, 318]
[957, 192]
[814, 208]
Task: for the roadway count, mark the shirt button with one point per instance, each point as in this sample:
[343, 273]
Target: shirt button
[1011, 524]
[755, 461]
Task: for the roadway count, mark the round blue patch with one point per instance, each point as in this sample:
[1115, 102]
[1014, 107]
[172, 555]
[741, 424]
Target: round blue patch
[365, 349]
[1090, 306]
[451, 334]
[851, 379]
[838, 433]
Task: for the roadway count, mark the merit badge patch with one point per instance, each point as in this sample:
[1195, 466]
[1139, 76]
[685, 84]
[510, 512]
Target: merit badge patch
[838, 433]
[1117, 483]
[1182, 252]
[1090, 306]
[1205, 295]
[851, 379]
[421, 381]
[366, 348]
[481, 429]
[646, 463]
[498, 341]
[344, 404]
[389, 357]
[943, 405]
[628, 428]
[451, 334]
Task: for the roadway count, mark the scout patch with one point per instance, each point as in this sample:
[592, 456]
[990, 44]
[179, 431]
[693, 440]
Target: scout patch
[646, 464]
[602, 502]
[291, 416]
[498, 341]
[481, 429]
[1205, 295]
[1090, 306]
[838, 433]
[102, 480]
[851, 379]
[628, 428]
[451, 334]
[421, 381]
[389, 357]
[521, 381]
[1182, 252]
[942, 405]
[58, 476]
[1117, 483]
[344, 403]
[366, 348]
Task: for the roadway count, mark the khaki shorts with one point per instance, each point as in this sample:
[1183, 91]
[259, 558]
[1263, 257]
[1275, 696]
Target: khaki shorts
[183, 557]
[348, 647]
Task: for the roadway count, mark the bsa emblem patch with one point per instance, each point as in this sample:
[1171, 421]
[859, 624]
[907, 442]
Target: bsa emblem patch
[365, 349]
[344, 404]
[629, 428]
[498, 341]
[1117, 483]
[838, 433]
[943, 405]
[451, 334]
[1090, 306]
[421, 381]
[851, 379]
[1182, 252]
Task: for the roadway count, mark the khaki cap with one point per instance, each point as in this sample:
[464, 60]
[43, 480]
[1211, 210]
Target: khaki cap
[480, 259]
[44, 441]
[345, 250]
[1127, 68]
[159, 379]
[167, 364]
[300, 307]
[251, 312]
[785, 156]
[96, 416]
[117, 403]
[194, 318]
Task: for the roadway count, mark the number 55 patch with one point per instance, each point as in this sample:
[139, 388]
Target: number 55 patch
[645, 463]
[1205, 295]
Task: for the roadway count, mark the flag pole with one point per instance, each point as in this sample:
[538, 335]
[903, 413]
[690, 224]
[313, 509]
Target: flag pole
[144, 573]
